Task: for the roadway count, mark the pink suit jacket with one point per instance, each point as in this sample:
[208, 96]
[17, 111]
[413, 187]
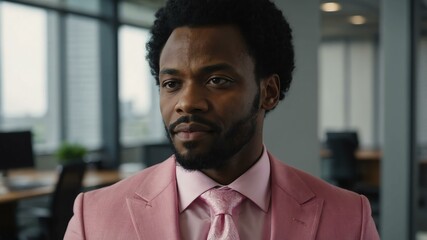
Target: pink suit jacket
[145, 206]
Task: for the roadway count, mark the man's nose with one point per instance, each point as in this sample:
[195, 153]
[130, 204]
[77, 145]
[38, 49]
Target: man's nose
[192, 99]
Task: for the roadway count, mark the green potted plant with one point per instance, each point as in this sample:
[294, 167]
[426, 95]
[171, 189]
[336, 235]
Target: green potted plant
[70, 153]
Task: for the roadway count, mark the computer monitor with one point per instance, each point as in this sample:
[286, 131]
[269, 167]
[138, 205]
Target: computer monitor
[16, 150]
[351, 136]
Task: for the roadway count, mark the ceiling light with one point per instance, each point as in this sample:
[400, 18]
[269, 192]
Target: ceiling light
[357, 20]
[330, 7]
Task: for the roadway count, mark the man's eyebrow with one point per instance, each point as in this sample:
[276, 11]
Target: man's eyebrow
[169, 71]
[204, 70]
[217, 67]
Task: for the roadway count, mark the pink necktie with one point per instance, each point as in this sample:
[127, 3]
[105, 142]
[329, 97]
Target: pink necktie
[222, 201]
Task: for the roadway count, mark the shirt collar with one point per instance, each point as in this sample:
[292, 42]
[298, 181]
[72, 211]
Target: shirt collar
[253, 184]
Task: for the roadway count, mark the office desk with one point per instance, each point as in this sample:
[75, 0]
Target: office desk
[92, 179]
[368, 164]
[9, 199]
[360, 154]
[368, 155]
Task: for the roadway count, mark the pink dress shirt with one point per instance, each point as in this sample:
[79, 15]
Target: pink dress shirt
[252, 218]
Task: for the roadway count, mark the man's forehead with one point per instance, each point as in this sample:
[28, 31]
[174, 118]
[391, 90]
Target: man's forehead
[216, 33]
[206, 40]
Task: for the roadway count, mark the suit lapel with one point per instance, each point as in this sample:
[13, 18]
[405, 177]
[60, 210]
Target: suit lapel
[295, 210]
[154, 207]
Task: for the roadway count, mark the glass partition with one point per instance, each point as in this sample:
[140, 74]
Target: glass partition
[349, 92]
[420, 162]
[348, 87]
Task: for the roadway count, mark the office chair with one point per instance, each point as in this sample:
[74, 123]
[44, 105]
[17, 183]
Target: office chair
[344, 170]
[54, 221]
[154, 153]
[343, 161]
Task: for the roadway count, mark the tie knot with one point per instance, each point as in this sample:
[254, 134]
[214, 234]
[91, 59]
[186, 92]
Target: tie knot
[222, 200]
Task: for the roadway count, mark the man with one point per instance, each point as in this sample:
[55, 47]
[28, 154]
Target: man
[221, 65]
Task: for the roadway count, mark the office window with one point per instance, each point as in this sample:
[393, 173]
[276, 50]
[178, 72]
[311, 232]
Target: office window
[138, 13]
[82, 81]
[84, 6]
[331, 87]
[53, 55]
[24, 76]
[140, 118]
[347, 89]
[89, 6]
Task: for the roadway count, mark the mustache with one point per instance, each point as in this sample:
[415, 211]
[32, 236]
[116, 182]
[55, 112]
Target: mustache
[195, 119]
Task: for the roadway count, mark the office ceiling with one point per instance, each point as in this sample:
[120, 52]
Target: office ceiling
[336, 24]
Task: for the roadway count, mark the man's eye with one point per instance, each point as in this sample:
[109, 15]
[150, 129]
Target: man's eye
[217, 81]
[170, 84]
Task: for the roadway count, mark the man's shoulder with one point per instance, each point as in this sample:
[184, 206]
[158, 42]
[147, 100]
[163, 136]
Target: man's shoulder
[319, 187]
[324, 189]
[343, 213]
[155, 176]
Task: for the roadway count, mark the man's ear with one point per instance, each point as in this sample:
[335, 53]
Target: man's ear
[270, 91]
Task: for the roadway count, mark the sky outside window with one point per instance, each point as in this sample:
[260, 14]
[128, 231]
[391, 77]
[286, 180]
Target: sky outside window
[23, 57]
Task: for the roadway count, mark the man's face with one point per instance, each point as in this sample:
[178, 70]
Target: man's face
[209, 97]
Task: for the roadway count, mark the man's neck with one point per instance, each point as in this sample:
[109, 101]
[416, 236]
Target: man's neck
[237, 166]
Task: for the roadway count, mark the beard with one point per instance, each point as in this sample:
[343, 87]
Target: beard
[223, 147]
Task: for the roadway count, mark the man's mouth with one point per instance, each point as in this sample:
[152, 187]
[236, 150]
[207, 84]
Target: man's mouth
[193, 127]
[191, 131]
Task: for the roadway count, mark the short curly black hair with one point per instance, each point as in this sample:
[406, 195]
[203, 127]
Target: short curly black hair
[267, 33]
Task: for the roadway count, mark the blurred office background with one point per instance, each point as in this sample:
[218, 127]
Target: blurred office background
[75, 71]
